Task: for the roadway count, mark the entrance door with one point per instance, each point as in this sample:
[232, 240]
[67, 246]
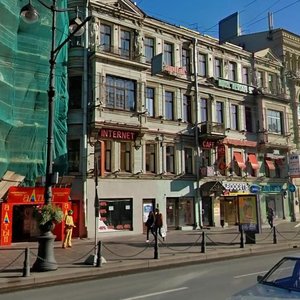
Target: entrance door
[207, 211]
[148, 205]
[24, 227]
[172, 213]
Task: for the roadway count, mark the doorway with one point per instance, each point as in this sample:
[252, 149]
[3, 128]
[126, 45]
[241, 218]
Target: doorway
[24, 227]
[148, 205]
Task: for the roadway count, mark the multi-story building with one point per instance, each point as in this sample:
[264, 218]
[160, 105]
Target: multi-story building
[187, 136]
[286, 46]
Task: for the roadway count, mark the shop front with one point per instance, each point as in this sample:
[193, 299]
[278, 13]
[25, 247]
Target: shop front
[16, 211]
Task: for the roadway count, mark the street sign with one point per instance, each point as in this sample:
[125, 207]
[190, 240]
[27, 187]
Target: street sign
[292, 188]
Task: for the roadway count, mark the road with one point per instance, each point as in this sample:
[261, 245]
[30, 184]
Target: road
[211, 281]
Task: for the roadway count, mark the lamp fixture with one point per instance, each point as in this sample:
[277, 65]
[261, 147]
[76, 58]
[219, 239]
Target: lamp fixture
[29, 14]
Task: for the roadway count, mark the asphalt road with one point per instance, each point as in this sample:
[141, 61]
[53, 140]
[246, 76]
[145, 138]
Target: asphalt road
[211, 281]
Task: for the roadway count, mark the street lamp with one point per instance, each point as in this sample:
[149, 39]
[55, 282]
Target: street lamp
[46, 260]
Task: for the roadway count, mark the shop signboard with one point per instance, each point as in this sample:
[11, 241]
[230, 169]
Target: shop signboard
[294, 165]
[248, 213]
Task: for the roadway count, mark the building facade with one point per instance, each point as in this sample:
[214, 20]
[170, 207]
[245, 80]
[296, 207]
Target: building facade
[164, 117]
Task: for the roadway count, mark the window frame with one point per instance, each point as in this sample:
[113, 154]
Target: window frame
[218, 68]
[125, 156]
[104, 37]
[168, 54]
[169, 105]
[275, 117]
[149, 49]
[151, 154]
[188, 160]
[202, 63]
[220, 112]
[234, 112]
[125, 43]
[187, 108]
[150, 102]
[170, 159]
[186, 59]
[232, 71]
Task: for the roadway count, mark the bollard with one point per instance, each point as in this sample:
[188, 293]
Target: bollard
[156, 254]
[203, 243]
[99, 254]
[26, 265]
[242, 245]
[274, 236]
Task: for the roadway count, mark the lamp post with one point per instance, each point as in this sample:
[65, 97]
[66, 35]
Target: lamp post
[46, 260]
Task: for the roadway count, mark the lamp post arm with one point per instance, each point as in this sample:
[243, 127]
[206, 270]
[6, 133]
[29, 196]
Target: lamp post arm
[55, 51]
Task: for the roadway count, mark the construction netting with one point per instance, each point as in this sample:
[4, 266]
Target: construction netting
[24, 82]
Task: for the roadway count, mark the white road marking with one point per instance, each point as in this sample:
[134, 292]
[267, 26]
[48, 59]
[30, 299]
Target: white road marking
[297, 225]
[155, 294]
[250, 274]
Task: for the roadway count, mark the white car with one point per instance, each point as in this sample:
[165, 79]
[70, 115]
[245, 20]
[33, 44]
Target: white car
[281, 282]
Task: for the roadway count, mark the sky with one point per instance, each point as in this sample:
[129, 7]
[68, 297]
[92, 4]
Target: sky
[204, 15]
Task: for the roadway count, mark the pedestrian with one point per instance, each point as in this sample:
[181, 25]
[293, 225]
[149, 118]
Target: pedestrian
[158, 223]
[150, 224]
[270, 216]
[69, 225]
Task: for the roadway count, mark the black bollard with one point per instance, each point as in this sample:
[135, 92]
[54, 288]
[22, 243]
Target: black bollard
[99, 255]
[156, 254]
[242, 245]
[26, 265]
[203, 243]
[274, 236]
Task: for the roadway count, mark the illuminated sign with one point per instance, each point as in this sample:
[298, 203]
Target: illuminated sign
[117, 134]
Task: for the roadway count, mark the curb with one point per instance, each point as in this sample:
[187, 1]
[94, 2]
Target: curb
[112, 269]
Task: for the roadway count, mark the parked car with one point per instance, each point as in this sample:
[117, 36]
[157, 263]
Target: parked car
[281, 282]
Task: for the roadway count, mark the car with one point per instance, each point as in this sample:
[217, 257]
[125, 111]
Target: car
[281, 282]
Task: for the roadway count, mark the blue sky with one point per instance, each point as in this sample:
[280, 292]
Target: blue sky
[204, 15]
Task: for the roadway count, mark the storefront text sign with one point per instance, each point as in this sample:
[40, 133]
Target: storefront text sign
[235, 86]
[236, 186]
[294, 166]
[117, 134]
[271, 188]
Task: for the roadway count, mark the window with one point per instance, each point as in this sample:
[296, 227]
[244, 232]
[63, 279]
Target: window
[248, 119]
[220, 112]
[186, 59]
[232, 71]
[150, 101]
[260, 79]
[108, 149]
[234, 117]
[274, 121]
[105, 37]
[125, 159]
[204, 112]
[125, 44]
[168, 54]
[151, 158]
[245, 75]
[120, 93]
[149, 49]
[202, 65]
[271, 83]
[217, 67]
[187, 109]
[74, 155]
[188, 159]
[170, 159]
[116, 214]
[169, 105]
[75, 90]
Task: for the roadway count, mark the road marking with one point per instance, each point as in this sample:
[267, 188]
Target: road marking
[155, 294]
[297, 225]
[250, 274]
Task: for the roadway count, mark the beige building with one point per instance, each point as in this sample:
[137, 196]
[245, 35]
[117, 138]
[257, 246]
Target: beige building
[189, 138]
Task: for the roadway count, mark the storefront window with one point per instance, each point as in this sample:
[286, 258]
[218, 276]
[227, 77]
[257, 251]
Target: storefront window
[116, 214]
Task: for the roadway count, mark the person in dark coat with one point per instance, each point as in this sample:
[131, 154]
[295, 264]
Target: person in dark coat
[150, 224]
[158, 223]
[270, 216]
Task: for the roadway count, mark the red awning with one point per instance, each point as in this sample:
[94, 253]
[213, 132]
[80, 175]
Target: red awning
[253, 161]
[270, 164]
[239, 159]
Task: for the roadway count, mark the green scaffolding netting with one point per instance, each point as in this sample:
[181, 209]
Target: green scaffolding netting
[24, 81]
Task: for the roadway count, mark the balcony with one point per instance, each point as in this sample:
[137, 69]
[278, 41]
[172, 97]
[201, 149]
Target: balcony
[211, 130]
[119, 52]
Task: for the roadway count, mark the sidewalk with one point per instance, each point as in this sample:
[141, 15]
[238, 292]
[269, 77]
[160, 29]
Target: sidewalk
[131, 254]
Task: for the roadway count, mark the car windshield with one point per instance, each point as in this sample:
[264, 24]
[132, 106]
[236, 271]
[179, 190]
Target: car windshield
[285, 274]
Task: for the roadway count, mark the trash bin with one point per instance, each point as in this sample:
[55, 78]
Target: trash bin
[250, 237]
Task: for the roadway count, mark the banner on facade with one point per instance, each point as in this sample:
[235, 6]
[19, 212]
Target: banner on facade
[294, 165]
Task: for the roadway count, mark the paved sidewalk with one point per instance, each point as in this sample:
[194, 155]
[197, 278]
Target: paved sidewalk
[130, 253]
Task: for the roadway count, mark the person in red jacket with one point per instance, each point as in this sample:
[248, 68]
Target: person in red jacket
[158, 224]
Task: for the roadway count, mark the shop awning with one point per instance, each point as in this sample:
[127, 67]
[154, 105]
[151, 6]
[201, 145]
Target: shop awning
[239, 159]
[253, 161]
[270, 164]
[8, 180]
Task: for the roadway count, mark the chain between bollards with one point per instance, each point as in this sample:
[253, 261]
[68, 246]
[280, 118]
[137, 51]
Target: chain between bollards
[274, 236]
[99, 254]
[203, 243]
[26, 265]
